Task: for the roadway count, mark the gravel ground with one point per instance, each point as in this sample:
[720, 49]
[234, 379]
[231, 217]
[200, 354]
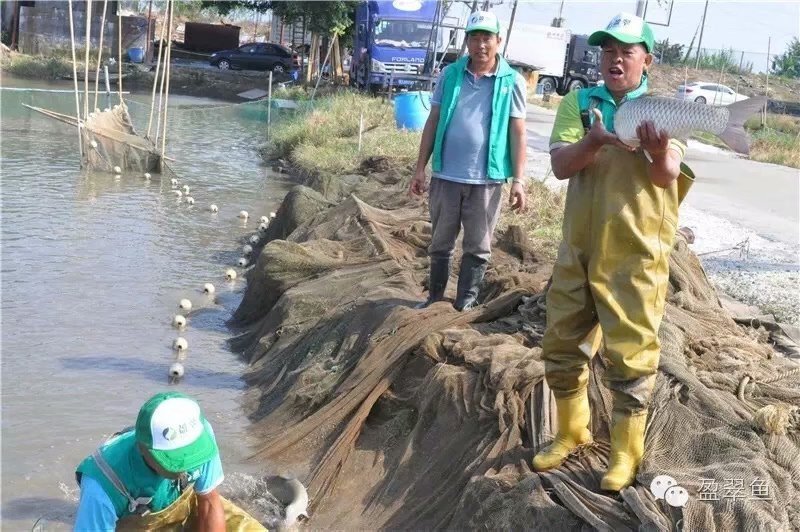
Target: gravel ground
[740, 263]
[749, 268]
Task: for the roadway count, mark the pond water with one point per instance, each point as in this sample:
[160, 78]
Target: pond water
[93, 268]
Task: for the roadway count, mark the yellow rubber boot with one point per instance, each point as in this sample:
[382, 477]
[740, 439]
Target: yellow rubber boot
[573, 430]
[627, 449]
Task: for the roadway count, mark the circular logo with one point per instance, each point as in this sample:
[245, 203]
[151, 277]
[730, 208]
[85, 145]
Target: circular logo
[169, 433]
[407, 5]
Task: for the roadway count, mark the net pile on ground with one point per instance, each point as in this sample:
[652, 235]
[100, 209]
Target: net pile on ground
[402, 418]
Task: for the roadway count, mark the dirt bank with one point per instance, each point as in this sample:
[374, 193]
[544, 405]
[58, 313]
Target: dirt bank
[190, 80]
[399, 418]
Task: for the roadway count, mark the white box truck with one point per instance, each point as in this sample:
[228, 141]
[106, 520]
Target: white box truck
[565, 62]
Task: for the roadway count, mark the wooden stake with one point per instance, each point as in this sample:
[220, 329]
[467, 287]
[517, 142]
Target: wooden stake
[360, 130]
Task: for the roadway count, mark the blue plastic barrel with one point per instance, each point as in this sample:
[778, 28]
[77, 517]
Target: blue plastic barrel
[411, 109]
[136, 54]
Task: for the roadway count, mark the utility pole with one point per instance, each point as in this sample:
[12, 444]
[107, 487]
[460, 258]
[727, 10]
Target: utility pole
[510, 25]
[641, 7]
[700, 41]
[558, 22]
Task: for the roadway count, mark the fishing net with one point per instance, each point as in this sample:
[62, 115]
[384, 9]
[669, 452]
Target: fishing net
[110, 140]
[422, 419]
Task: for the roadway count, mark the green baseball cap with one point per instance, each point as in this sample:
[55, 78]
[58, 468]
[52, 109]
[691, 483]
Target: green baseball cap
[626, 28]
[483, 21]
[172, 427]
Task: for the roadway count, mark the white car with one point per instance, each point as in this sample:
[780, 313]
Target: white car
[712, 93]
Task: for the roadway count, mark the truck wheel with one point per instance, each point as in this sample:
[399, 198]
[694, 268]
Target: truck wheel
[548, 85]
[575, 84]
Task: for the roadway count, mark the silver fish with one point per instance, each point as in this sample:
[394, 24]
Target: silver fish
[679, 119]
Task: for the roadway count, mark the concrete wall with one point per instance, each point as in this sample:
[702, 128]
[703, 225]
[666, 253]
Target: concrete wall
[45, 26]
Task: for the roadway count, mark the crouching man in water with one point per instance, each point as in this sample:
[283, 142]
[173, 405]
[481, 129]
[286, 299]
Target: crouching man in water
[612, 268]
[161, 475]
[476, 134]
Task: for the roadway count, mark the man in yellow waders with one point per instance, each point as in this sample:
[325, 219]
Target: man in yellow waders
[161, 475]
[612, 267]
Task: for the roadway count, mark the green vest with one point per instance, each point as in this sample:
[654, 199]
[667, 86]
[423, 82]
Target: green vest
[499, 163]
[127, 462]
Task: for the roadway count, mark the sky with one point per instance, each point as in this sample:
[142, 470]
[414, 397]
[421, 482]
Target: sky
[741, 25]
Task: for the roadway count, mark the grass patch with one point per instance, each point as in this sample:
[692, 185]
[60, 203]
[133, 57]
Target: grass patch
[543, 218]
[326, 138]
[35, 67]
[780, 123]
[773, 146]
[57, 64]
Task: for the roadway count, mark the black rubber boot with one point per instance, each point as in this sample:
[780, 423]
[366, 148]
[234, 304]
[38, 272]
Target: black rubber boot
[469, 282]
[439, 275]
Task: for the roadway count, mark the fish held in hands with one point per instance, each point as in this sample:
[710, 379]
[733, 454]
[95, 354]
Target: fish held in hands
[680, 118]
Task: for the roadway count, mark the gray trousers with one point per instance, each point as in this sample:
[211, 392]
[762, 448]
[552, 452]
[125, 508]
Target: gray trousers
[475, 207]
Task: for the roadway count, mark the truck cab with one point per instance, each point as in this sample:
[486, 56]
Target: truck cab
[391, 42]
[582, 67]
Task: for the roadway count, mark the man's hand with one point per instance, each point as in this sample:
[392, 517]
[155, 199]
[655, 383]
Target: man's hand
[600, 136]
[418, 184]
[653, 142]
[517, 198]
[210, 513]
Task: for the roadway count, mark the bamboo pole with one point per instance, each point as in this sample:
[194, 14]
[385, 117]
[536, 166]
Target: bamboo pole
[108, 88]
[766, 87]
[269, 106]
[119, 51]
[88, 20]
[163, 73]
[100, 54]
[166, 91]
[155, 80]
[75, 80]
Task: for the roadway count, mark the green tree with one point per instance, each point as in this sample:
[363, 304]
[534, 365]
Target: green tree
[668, 54]
[788, 63]
[323, 17]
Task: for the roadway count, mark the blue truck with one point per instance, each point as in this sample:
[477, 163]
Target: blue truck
[391, 43]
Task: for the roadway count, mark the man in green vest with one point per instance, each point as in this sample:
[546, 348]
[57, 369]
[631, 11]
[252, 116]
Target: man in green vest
[163, 473]
[477, 137]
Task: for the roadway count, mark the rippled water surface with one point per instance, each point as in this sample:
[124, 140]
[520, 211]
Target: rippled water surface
[92, 270]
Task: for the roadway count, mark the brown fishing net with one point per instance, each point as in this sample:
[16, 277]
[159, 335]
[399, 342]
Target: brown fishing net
[110, 140]
[421, 419]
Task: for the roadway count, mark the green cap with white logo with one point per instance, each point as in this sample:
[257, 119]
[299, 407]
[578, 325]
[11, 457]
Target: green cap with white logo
[483, 21]
[626, 28]
[172, 427]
